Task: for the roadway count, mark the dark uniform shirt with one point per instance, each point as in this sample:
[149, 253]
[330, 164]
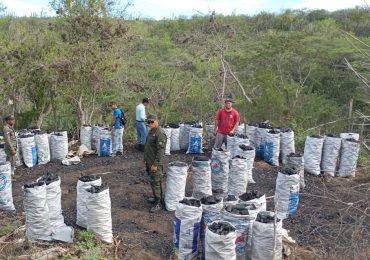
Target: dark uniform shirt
[10, 139]
[155, 147]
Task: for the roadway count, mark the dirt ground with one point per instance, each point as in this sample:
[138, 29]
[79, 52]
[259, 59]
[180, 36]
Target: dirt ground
[333, 219]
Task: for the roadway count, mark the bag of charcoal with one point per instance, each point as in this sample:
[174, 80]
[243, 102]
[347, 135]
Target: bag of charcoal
[220, 241]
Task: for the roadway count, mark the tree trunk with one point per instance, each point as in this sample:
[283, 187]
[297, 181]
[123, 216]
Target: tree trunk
[41, 116]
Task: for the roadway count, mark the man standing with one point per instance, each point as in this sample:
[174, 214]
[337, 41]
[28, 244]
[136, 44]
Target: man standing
[117, 130]
[141, 127]
[10, 141]
[226, 122]
[154, 159]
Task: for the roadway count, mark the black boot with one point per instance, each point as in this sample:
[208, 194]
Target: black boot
[157, 207]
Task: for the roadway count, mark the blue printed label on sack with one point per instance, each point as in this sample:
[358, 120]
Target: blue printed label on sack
[268, 152]
[195, 144]
[176, 227]
[294, 198]
[196, 230]
[261, 151]
[104, 147]
[34, 155]
[216, 165]
[3, 181]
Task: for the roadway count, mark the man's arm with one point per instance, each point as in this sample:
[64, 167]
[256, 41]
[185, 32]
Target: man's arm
[112, 123]
[160, 150]
[8, 142]
[237, 121]
[217, 121]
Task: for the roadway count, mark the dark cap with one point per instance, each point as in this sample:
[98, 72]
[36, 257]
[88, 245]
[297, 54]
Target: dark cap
[152, 117]
[145, 100]
[228, 99]
[113, 103]
[9, 117]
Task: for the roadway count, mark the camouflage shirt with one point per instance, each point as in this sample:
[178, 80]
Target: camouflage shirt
[10, 138]
[155, 147]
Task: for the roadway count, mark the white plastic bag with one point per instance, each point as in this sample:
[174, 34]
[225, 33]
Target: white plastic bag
[167, 132]
[86, 133]
[58, 146]
[287, 193]
[6, 196]
[195, 140]
[37, 211]
[177, 173]
[238, 178]
[348, 158]
[220, 247]
[201, 177]
[296, 160]
[287, 144]
[83, 184]
[99, 216]
[263, 234]
[220, 170]
[186, 231]
[43, 148]
[29, 152]
[272, 147]
[312, 154]
[330, 154]
[175, 138]
[249, 153]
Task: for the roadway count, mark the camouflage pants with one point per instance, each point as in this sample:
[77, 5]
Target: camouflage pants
[156, 182]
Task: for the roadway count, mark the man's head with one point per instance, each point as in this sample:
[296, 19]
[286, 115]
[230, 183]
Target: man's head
[113, 105]
[10, 120]
[145, 101]
[152, 121]
[228, 103]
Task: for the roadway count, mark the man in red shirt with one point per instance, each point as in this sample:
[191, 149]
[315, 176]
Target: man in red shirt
[226, 122]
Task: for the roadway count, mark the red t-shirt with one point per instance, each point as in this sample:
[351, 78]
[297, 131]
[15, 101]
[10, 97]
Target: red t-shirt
[226, 120]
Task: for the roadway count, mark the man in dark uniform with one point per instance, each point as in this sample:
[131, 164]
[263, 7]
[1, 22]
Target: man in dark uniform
[10, 140]
[154, 151]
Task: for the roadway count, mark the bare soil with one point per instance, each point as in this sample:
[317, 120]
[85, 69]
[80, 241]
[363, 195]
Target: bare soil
[333, 219]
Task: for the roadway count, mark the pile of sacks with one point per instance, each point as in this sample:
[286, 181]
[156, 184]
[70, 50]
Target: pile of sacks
[333, 154]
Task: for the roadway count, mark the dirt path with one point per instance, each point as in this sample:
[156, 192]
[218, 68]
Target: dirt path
[321, 227]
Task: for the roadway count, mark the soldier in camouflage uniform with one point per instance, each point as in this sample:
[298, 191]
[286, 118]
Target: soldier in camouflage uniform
[10, 140]
[154, 151]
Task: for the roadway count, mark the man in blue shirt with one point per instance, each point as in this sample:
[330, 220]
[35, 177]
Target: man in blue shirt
[142, 130]
[117, 130]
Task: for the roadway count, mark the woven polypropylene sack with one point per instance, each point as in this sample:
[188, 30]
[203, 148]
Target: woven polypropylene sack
[2, 154]
[195, 140]
[186, 231]
[104, 145]
[263, 234]
[175, 138]
[238, 179]
[83, 184]
[251, 133]
[330, 154]
[58, 146]
[6, 196]
[29, 151]
[201, 177]
[167, 131]
[249, 153]
[348, 158]
[260, 202]
[220, 247]
[260, 141]
[37, 212]
[355, 136]
[312, 154]
[239, 140]
[240, 130]
[287, 144]
[242, 224]
[99, 216]
[95, 136]
[272, 148]
[184, 136]
[297, 161]
[211, 138]
[177, 173]
[286, 195]
[220, 170]
[230, 140]
[86, 133]
[43, 148]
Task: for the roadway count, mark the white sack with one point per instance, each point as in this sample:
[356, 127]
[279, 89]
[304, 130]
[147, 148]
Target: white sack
[104, 145]
[177, 173]
[83, 184]
[201, 177]
[286, 194]
[71, 161]
[348, 158]
[220, 247]
[355, 136]
[220, 170]
[251, 133]
[330, 154]
[239, 140]
[260, 141]
[259, 202]
[86, 133]
[297, 161]
[29, 152]
[95, 136]
[58, 146]
[240, 130]
[272, 147]
[167, 132]
[249, 153]
[175, 138]
[312, 154]
[6, 196]
[230, 140]
[186, 231]
[287, 144]
[37, 212]
[2, 154]
[238, 178]
[43, 148]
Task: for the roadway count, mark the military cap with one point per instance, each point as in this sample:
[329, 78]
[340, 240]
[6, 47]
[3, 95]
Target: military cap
[9, 117]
